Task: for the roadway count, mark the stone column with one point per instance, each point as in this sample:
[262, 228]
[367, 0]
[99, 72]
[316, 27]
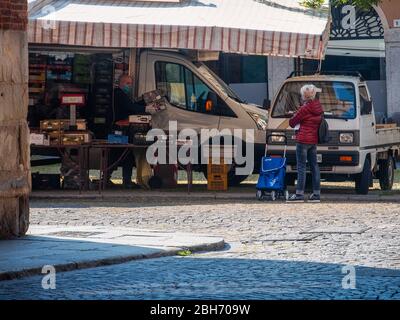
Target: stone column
[14, 132]
[392, 42]
[279, 68]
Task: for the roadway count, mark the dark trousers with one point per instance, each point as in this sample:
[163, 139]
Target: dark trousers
[304, 153]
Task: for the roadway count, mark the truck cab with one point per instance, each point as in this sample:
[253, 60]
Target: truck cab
[189, 86]
[356, 149]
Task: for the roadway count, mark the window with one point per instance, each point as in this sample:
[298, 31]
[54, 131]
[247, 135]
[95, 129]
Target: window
[170, 80]
[337, 99]
[254, 69]
[364, 100]
[235, 68]
[370, 68]
[182, 87]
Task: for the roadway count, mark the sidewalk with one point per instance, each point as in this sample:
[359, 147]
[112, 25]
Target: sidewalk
[70, 248]
[248, 194]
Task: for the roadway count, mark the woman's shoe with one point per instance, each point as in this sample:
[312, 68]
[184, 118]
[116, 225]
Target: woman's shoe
[314, 198]
[296, 198]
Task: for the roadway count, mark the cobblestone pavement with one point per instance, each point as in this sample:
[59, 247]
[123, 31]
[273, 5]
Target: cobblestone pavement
[276, 251]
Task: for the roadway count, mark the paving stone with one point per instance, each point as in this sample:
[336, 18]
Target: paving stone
[253, 270]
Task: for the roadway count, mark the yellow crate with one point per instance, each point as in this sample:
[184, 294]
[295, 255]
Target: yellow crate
[217, 182]
[217, 169]
[220, 168]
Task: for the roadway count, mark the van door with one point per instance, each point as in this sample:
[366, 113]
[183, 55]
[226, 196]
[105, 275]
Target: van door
[186, 90]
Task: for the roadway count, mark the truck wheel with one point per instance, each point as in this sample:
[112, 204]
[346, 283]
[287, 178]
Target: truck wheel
[386, 173]
[363, 179]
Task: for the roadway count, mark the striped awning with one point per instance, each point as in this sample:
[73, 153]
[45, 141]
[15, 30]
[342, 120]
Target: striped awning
[259, 27]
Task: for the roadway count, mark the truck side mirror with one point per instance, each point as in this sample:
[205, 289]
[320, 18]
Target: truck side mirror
[267, 104]
[212, 101]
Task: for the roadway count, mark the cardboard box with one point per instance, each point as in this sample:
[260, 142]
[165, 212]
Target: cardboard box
[39, 139]
[55, 137]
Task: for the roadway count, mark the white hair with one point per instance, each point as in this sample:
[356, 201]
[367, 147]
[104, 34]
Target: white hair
[309, 91]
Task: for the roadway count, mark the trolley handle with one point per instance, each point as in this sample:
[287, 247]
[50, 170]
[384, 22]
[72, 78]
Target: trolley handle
[285, 141]
[278, 135]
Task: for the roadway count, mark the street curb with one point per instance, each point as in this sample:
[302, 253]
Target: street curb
[13, 275]
[339, 197]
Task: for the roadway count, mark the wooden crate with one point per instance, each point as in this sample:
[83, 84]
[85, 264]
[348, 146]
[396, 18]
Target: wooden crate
[61, 125]
[75, 138]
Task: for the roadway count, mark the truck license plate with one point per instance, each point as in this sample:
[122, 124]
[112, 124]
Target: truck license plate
[319, 158]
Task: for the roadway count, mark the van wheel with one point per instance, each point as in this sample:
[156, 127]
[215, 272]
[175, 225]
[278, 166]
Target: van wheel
[363, 179]
[386, 173]
[233, 179]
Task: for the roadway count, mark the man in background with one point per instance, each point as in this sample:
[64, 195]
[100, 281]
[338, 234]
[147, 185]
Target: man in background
[124, 106]
[123, 102]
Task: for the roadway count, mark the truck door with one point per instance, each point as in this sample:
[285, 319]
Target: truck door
[185, 89]
[367, 119]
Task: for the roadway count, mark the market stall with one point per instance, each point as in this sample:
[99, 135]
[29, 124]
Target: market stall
[80, 48]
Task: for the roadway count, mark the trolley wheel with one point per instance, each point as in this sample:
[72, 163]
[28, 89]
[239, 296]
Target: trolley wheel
[273, 195]
[286, 195]
[260, 195]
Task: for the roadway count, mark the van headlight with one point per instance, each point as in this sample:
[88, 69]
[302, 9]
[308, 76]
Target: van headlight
[260, 121]
[346, 138]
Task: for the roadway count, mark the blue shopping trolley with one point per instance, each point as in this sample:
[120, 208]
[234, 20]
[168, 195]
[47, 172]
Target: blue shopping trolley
[272, 174]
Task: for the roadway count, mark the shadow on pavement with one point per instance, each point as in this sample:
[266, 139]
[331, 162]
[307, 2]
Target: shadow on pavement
[202, 277]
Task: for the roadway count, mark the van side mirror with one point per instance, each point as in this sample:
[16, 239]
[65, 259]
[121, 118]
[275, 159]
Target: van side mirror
[267, 104]
[367, 108]
[212, 101]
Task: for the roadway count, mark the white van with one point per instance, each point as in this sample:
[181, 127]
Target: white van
[198, 99]
[358, 149]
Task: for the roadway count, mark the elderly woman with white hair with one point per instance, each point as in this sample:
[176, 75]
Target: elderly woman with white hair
[308, 117]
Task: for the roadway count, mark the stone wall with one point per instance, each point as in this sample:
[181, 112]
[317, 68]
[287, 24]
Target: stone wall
[14, 132]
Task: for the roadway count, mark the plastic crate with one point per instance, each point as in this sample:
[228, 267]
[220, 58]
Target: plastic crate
[213, 169]
[217, 182]
[117, 139]
[217, 169]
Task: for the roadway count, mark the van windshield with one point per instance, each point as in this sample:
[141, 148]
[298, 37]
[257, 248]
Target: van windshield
[212, 77]
[337, 99]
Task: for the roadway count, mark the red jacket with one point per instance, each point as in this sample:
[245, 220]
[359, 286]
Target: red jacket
[309, 116]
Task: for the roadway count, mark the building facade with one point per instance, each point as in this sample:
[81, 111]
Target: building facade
[364, 41]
